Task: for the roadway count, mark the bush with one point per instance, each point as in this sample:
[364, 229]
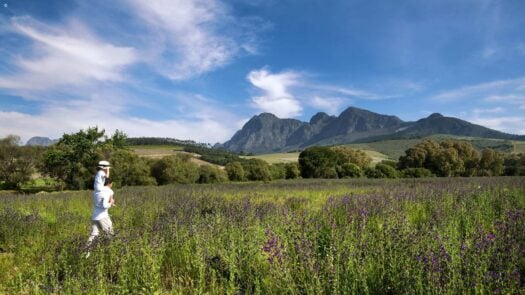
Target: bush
[416, 173]
[349, 170]
[278, 171]
[175, 169]
[257, 169]
[381, 171]
[349, 155]
[235, 171]
[130, 169]
[292, 170]
[318, 162]
[211, 174]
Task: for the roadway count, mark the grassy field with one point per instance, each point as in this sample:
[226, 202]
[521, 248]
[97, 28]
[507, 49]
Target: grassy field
[293, 157]
[428, 236]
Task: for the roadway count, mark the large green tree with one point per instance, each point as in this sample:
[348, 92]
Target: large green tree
[17, 163]
[175, 169]
[318, 162]
[72, 160]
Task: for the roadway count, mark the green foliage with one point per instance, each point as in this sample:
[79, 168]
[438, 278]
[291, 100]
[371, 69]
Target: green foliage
[211, 174]
[73, 158]
[349, 170]
[318, 162]
[359, 236]
[292, 170]
[416, 173]
[130, 169]
[349, 155]
[514, 165]
[278, 171]
[175, 169]
[381, 171]
[17, 163]
[211, 155]
[235, 171]
[491, 163]
[452, 158]
[257, 169]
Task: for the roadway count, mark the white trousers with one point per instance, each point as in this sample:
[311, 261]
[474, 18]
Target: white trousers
[104, 225]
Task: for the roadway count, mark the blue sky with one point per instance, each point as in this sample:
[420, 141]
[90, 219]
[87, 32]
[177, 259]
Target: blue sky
[199, 69]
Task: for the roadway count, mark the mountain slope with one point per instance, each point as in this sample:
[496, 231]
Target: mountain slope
[265, 133]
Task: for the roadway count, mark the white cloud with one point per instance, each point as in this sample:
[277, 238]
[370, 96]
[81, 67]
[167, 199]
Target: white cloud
[513, 125]
[276, 98]
[54, 120]
[190, 30]
[64, 57]
[331, 105]
[488, 111]
[494, 88]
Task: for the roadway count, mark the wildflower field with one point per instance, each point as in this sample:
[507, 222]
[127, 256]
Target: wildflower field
[429, 236]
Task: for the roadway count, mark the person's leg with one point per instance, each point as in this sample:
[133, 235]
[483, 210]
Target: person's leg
[94, 234]
[107, 226]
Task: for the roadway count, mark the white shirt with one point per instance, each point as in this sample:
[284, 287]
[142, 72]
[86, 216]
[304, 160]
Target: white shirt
[101, 203]
[100, 178]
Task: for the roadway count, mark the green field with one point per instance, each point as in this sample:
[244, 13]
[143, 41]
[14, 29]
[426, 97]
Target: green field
[293, 157]
[519, 146]
[426, 236]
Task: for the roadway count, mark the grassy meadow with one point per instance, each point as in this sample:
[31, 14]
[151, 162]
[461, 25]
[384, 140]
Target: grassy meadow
[427, 236]
[293, 157]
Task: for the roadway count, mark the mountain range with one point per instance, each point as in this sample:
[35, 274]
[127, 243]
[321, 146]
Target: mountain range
[266, 133]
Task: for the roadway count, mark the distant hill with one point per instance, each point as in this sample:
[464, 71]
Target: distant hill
[265, 133]
[42, 141]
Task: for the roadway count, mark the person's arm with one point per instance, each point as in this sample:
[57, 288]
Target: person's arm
[107, 200]
[99, 180]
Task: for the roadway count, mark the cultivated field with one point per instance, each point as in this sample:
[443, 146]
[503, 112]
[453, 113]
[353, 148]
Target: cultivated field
[428, 236]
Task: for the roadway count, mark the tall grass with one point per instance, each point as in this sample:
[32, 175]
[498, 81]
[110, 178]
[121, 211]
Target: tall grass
[301, 237]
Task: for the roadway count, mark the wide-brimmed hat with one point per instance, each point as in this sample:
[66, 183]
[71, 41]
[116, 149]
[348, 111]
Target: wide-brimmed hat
[104, 164]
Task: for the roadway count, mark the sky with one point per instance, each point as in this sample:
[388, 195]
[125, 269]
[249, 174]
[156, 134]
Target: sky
[200, 69]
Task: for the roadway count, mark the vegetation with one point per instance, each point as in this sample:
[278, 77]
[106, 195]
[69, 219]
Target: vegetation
[431, 236]
[17, 163]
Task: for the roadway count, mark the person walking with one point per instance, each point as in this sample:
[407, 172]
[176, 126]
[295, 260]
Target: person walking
[102, 201]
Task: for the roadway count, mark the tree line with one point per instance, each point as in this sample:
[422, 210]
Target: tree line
[70, 162]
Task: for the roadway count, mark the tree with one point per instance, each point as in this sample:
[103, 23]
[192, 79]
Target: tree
[235, 171]
[130, 169]
[73, 158]
[257, 169]
[318, 162]
[175, 169]
[490, 163]
[514, 165]
[211, 174]
[349, 155]
[278, 171]
[416, 173]
[292, 170]
[349, 170]
[17, 163]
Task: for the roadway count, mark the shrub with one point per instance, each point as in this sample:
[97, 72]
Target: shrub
[175, 169]
[211, 174]
[257, 169]
[318, 162]
[349, 170]
[235, 171]
[416, 173]
[278, 171]
[292, 170]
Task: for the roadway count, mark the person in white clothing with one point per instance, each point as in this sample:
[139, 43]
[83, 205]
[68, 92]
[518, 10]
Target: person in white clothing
[103, 200]
[102, 174]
